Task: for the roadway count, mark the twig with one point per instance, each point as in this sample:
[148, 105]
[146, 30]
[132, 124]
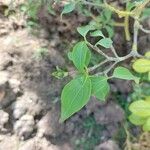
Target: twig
[144, 30]
[97, 50]
[107, 70]
[98, 65]
[114, 51]
[135, 37]
[111, 67]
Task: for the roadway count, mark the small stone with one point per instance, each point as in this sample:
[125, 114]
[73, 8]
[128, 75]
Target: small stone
[24, 127]
[108, 145]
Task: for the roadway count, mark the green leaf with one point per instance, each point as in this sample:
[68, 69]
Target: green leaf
[140, 108]
[80, 55]
[100, 87]
[97, 33]
[146, 126]
[74, 96]
[85, 29]
[124, 73]
[136, 120]
[105, 42]
[68, 8]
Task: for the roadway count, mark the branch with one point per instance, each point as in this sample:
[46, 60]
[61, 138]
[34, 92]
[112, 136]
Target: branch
[117, 60]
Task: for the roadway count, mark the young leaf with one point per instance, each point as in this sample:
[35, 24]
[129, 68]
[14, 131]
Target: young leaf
[100, 87]
[68, 8]
[141, 65]
[136, 120]
[80, 55]
[97, 33]
[105, 42]
[85, 29]
[140, 108]
[124, 73]
[59, 73]
[146, 126]
[74, 96]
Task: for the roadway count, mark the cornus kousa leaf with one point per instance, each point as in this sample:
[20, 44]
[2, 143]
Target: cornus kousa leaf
[80, 55]
[68, 8]
[105, 42]
[141, 65]
[74, 96]
[85, 29]
[100, 87]
[124, 73]
[137, 120]
[146, 126]
[140, 108]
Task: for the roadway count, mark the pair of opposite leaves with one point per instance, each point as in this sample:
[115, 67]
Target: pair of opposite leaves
[77, 92]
